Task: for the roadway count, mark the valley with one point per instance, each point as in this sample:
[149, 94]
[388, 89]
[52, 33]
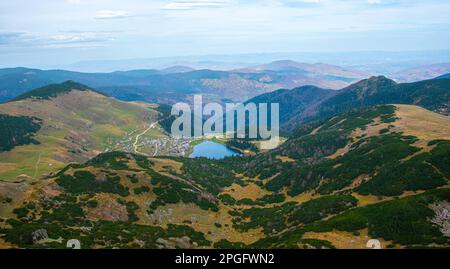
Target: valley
[324, 194]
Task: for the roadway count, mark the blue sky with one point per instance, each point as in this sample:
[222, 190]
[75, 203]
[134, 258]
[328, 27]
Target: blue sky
[52, 32]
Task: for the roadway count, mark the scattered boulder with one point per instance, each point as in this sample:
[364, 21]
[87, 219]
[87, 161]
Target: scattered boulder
[38, 235]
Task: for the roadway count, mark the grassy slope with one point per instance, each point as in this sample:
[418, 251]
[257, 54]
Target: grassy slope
[81, 121]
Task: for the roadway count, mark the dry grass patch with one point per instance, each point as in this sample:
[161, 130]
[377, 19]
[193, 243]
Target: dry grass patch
[6, 245]
[364, 200]
[422, 123]
[203, 221]
[346, 240]
[162, 165]
[285, 159]
[301, 198]
[250, 191]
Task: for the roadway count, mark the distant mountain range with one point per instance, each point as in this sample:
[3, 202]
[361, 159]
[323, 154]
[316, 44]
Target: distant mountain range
[374, 62]
[422, 72]
[178, 82]
[296, 67]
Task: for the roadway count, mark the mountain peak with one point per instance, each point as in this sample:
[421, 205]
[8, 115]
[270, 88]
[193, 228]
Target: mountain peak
[54, 90]
[373, 82]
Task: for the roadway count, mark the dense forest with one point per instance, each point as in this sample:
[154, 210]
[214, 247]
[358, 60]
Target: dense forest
[17, 131]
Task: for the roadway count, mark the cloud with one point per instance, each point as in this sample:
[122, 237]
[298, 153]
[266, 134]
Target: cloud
[189, 5]
[62, 39]
[73, 2]
[80, 37]
[112, 14]
[7, 38]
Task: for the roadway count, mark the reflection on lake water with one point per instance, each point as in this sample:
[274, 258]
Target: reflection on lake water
[212, 150]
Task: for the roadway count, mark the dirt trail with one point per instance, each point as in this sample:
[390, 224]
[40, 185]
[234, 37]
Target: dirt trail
[136, 140]
[36, 166]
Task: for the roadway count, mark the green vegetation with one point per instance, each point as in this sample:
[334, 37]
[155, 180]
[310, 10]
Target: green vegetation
[54, 90]
[320, 208]
[264, 218]
[404, 221]
[384, 164]
[242, 144]
[166, 119]
[431, 94]
[131, 209]
[17, 131]
[225, 244]
[292, 214]
[112, 160]
[140, 190]
[83, 182]
[172, 191]
[62, 216]
[199, 170]
[384, 170]
[265, 200]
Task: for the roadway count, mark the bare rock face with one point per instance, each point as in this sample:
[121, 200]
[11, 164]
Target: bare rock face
[38, 235]
[442, 217]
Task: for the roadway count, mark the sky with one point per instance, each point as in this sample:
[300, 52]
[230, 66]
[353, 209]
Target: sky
[56, 32]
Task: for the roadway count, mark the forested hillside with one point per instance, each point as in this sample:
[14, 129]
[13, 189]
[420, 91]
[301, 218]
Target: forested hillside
[305, 104]
[369, 173]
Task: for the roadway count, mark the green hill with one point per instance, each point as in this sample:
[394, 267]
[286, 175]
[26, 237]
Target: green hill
[52, 126]
[53, 90]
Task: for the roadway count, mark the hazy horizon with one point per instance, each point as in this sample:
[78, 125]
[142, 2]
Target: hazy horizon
[375, 62]
[60, 33]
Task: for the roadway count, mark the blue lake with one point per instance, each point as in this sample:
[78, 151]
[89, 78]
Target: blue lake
[212, 150]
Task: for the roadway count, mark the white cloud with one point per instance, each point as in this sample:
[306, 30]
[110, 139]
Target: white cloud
[112, 14]
[63, 39]
[189, 5]
[80, 37]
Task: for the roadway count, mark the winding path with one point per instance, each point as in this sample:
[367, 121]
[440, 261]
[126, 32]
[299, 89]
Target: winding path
[136, 140]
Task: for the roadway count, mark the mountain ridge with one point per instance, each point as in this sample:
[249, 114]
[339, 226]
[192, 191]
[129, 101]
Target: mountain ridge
[432, 94]
[53, 90]
[169, 87]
